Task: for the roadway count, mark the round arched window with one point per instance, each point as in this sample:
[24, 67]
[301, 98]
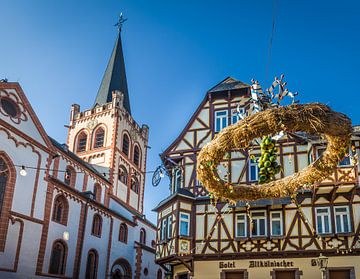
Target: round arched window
[9, 107]
[146, 271]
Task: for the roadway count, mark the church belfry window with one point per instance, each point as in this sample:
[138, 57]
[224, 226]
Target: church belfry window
[142, 236]
[123, 233]
[99, 138]
[97, 192]
[126, 144]
[137, 156]
[135, 184]
[123, 175]
[81, 142]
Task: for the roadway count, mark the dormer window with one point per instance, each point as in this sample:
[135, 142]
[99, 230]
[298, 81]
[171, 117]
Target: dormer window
[221, 120]
[99, 138]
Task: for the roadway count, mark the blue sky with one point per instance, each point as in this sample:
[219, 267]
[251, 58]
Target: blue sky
[174, 52]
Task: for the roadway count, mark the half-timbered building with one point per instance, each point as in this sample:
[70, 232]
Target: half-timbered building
[75, 210]
[273, 238]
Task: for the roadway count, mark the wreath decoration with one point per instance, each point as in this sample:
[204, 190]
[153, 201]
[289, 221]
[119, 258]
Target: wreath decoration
[313, 118]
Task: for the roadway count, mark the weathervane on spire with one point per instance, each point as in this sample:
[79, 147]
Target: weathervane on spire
[120, 22]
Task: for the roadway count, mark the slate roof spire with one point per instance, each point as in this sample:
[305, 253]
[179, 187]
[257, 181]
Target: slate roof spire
[115, 76]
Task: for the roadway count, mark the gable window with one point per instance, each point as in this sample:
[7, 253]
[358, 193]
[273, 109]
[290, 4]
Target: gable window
[342, 219]
[10, 107]
[123, 233]
[135, 185]
[142, 236]
[99, 138]
[125, 145]
[253, 170]
[97, 192]
[123, 174]
[96, 225]
[177, 177]
[184, 224]
[323, 224]
[276, 223]
[91, 265]
[240, 229]
[69, 177]
[235, 115]
[57, 259]
[82, 141]
[60, 210]
[259, 223]
[221, 120]
[4, 174]
[137, 156]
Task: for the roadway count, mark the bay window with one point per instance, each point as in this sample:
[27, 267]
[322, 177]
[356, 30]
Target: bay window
[342, 219]
[258, 223]
[323, 224]
[184, 226]
[276, 223]
[240, 228]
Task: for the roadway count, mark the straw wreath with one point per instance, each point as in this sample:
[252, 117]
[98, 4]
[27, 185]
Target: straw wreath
[313, 118]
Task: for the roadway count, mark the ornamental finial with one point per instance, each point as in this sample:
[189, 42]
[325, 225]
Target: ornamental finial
[120, 22]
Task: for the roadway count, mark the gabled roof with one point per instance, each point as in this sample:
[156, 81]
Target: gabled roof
[229, 83]
[179, 193]
[114, 78]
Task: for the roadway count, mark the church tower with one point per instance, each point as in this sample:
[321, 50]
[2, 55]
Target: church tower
[107, 136]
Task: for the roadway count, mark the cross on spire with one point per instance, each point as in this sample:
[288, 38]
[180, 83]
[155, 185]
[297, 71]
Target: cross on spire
[120, 22]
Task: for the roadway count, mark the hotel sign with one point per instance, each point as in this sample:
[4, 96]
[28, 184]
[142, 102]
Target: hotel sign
[268, 263]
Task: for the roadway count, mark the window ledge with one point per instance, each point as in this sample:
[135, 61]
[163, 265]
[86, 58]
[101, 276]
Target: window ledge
[325, 234]
[276, 236]
[241, 238]
[185, 237]
[345, 234]
[260, 237]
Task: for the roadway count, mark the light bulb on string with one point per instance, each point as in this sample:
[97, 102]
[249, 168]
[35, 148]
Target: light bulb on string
[23, 171]
[66, 236]
[162, 174]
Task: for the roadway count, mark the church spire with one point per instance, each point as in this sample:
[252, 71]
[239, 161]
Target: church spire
[115, 76]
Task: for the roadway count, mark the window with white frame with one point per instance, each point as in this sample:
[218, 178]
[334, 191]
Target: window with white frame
[177, 178]
[235, 115]
[253, 170]
[184, 224]
[240, 229]
[342, 219]
[163, 229]
[169, 227]
[276, 223]
[258, 223]
[221, 120]
[323, 224]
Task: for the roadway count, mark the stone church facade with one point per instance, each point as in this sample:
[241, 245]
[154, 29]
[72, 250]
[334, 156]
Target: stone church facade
[75, 210]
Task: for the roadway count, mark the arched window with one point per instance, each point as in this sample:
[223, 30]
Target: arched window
[70, 176]
[123, 233]
[159, 274]
[81, 142]
[125, 145]
[99, 138]
[4, 174]
[123, 175]
[142, 236]
[58, 257]
[60, 210]
[97, 192]
[135, 184]
[92, 265]
[96, 225]
[137, 156]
